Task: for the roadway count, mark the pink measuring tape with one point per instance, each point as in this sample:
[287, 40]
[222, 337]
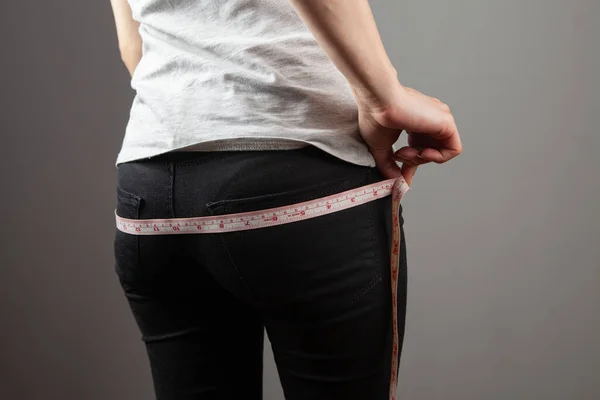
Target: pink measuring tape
[293, 213]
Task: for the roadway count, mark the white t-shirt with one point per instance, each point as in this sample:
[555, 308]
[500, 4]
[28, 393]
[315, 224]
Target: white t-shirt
[235, 75]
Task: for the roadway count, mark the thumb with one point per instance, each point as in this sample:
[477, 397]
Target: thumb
[408, 171]
[384, 160]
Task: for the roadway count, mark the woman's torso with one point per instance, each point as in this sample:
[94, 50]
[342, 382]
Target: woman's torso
[235, 75]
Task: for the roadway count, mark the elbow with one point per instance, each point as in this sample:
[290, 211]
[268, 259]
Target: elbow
[129, 52]
[130, 56]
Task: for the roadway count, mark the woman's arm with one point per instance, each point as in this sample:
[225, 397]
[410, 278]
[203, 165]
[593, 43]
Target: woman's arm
[130, 42]
[347, 32]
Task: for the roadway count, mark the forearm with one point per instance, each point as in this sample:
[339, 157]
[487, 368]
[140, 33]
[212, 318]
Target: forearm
[347, 32]
[130, 41]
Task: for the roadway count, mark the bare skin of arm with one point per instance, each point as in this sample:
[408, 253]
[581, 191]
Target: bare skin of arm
[130, 42]
[347, 32]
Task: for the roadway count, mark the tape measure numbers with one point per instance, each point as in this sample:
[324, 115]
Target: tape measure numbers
[288, 214]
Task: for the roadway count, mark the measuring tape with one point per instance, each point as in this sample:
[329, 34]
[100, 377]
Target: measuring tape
[293, 213]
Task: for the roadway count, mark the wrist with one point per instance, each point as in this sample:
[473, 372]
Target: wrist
[380, 95]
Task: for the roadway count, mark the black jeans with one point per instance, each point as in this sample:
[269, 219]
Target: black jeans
[320, 287]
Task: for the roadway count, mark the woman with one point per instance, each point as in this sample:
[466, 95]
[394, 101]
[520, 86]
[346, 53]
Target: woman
[245, 105]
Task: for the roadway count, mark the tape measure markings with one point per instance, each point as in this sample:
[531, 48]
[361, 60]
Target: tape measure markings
[257, 219]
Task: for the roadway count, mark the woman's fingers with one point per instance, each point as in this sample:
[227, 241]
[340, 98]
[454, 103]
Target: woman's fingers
[409, 155]
[408, 171]
[432, 133]
[439, 146]
[386, 164]
[438, 156]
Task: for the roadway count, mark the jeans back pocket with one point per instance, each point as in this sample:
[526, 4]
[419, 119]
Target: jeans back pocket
[126, 245]
[314, 265]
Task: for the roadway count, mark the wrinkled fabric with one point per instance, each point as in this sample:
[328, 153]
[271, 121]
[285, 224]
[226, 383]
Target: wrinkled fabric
[235, 75]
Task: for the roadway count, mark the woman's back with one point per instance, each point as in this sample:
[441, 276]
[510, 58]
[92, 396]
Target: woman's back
[247, 70]
[331, 289]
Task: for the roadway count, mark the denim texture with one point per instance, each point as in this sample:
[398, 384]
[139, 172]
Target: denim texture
[320, 287]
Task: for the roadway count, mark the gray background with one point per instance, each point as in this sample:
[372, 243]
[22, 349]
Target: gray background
[504, 249]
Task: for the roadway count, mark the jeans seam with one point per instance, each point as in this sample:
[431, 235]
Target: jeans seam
[172, 188]
[374, 281]
[238, 273]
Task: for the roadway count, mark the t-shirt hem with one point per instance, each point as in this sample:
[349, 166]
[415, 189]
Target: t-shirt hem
[132, 155]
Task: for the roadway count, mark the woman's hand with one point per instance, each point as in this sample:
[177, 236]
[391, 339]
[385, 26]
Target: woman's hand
[432, 132]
